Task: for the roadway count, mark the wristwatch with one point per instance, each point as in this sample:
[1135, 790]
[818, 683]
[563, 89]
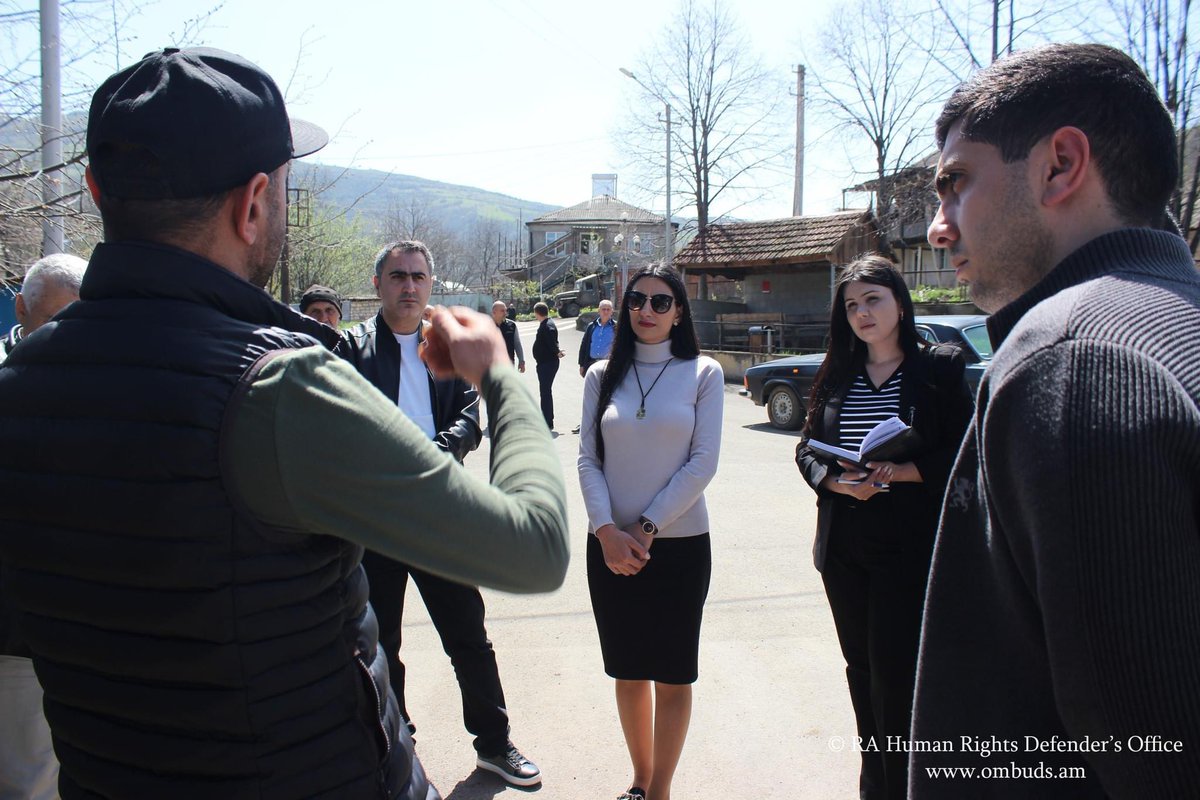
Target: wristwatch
[648, 527]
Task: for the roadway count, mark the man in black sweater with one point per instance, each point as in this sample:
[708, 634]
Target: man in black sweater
[1061, 645]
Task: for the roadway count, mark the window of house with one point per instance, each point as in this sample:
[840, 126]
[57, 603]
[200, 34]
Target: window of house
[589, 243]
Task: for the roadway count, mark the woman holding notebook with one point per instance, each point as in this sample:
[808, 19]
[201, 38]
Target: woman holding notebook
[876, 524]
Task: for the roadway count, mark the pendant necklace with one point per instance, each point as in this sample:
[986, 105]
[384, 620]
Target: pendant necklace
[641, 412]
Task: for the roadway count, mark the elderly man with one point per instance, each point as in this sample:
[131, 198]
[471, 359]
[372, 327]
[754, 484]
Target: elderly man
[28, 768]
[1062, 622]
[197, 612]
[322, 304]
[385, 351]
[51, 284]
[508, 329]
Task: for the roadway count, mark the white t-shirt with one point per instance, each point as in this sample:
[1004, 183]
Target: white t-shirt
[413, 393]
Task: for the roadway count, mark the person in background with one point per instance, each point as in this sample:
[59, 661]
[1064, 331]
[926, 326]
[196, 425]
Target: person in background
[385, 350]
[547, 354]
[597, 340]
[322, 304]
[183, 566]
[875, 535]
[28, 768]
[508, 329]
[651, 440]
[50, 285]
[1064, 600]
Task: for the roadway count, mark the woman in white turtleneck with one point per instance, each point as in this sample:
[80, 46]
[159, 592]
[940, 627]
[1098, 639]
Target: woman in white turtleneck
[650, 437]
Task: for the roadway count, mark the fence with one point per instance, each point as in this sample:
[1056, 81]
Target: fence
[752, 337]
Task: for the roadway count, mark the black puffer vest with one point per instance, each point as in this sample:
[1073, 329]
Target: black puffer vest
[186, 651]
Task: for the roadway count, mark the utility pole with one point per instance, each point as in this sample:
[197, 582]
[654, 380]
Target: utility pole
[798, 192]
[52, 231]
[670, 241]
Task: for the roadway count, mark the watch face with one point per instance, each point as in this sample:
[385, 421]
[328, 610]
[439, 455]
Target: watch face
[648, 527]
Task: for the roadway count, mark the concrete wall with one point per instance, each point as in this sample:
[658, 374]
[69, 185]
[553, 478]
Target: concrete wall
[802, 292]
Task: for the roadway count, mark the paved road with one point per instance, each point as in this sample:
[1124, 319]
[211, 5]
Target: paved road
[771, 693]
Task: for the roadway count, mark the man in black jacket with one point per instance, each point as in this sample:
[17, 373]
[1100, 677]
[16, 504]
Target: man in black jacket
[385, 351]
[197, 613]
[508, 329]
[546, 353]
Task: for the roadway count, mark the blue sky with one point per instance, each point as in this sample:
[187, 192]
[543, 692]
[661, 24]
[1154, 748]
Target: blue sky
[514, 96]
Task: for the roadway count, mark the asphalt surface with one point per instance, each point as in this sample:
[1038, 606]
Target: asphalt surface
[771, 710]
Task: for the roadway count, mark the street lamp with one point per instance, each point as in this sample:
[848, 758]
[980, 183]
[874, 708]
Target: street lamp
[669, 240]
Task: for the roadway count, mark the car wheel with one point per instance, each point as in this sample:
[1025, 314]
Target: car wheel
[784, 409]
[569, 310]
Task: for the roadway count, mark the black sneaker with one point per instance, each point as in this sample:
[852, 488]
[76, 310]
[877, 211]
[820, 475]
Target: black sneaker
[512, 766]
[634, 793]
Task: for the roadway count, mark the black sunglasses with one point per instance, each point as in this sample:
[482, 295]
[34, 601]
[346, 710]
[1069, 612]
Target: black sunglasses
[661, 303]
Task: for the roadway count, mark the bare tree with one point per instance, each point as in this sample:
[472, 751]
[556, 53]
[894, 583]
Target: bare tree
[1160, 35]
[92, 34]
[726, 107]
[979, 33]
[879, 85]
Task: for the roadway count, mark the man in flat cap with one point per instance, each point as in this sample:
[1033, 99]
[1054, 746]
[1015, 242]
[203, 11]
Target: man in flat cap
[322, 304]
[197, 613]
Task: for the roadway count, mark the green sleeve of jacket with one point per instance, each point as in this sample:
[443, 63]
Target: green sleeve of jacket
[314, 448]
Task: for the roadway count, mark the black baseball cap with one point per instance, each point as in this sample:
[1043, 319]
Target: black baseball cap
[190, 123]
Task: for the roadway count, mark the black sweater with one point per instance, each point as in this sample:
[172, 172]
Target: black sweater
[1064, 598]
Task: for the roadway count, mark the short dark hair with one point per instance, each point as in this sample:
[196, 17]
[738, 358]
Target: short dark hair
[1017, 101]
[404, 246]
[541, 308]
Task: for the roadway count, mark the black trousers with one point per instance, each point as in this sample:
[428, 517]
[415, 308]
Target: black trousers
[546, 370]
[457, 613]
[875, 576]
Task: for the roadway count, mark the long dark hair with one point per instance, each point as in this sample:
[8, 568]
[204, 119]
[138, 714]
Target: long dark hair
[847, 353]
[684, 343]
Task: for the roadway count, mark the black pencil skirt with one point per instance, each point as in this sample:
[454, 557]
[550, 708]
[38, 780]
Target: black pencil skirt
[649, 623]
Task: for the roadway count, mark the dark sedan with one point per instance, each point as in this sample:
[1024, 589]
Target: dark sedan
[783, 385]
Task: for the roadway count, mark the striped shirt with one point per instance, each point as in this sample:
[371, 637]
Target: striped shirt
[865, 407]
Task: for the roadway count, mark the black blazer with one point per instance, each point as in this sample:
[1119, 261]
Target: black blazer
[935, 401]
[455, 402]
[545, 344]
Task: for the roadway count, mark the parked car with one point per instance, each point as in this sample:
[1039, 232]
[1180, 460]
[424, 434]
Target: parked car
[783, 385]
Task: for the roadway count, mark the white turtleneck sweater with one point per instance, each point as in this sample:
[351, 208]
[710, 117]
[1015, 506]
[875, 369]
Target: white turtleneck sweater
[657, 466]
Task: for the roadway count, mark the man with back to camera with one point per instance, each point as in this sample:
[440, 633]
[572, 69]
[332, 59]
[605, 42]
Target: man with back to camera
[547, 354]
[322, 304]
[1061, 637]
[197, 612]
[28, 768]
[385, 351]
[50, 285]
[508, 329]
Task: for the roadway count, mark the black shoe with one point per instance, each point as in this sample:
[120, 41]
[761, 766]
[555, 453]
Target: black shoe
[513, 767]
[634, 793]
[576, 428]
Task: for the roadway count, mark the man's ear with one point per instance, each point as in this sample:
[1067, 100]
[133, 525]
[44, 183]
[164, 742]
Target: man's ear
[251, 210]
[21, 310]
[375, 283]
[93, 187]
[1067, 164]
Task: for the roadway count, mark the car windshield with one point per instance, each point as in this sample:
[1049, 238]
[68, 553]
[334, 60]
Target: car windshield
[977, 337]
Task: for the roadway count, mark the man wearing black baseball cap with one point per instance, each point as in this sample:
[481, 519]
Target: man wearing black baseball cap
[197, 612]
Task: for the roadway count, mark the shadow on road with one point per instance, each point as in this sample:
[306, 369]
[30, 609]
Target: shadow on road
[482, 785]
[767, 427]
